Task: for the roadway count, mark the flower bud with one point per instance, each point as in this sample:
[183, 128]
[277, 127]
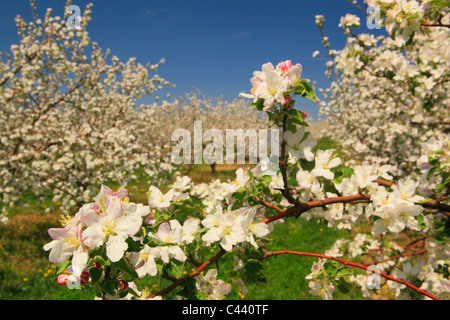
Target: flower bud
[84, 277]
[123, 285]
[62, 279]
[304, 114]
[287, 100]
[285, 66]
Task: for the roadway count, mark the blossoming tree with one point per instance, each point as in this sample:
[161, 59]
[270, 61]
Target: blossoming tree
[68, 114]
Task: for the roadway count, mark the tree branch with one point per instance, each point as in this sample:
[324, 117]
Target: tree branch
[353, 264]
[398, 257]
[432, 24]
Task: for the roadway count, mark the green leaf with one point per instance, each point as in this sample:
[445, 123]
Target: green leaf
[133, 246]
[189, 289]
[341, 172]
[174, 268]
[258, 104]
[421, 221]
[277, 197]
[61, 267]
[300, 122]
[344, 272]
[305, 90]
[240, 193]
[253, 272]
[108, 286]
[296, 117]
[440, 186]
[413, 16]
[294, 113]
[387, 244]
[431, 172]
[153, 242]
[410, 40]
[307, 165]
[124, 266]
[343, 286]
[95, 274]
[102, 203]
[331, 268]
[267, 179]
[291, 127]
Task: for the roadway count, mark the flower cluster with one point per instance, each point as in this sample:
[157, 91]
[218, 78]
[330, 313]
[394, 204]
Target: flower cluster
[112, 232]
[403, 17]
[271, 83]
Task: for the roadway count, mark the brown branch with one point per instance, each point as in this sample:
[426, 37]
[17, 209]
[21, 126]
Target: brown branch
[434, 204]
[270, 206]
[432, 24]
[302, 207]
[415, 243]
[357, 198]
[353, 264]
[398, 257]
[372, 73]
[283, 167]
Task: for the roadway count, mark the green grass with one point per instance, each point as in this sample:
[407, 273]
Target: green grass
[286, 273]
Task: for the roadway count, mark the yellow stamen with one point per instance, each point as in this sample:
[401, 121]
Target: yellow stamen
[109, 228]
[73, 242]
[272, 91]
[65, 220]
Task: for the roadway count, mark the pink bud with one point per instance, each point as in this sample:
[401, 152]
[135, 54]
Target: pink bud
[62, 279]
[304, 115]
[84, 277]
[285, 66]
[287, 100]
[123, 285]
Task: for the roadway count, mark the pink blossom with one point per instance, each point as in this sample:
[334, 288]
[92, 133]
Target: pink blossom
[285, 66]
[62, 279]
[287, 100]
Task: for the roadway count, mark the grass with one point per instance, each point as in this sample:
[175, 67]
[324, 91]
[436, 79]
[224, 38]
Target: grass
[26, 273]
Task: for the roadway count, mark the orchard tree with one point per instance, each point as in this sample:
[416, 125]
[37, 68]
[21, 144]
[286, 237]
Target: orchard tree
[389, 94]
[68, 114]
[208, 114]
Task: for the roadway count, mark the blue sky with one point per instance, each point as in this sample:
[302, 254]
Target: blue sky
[211, 45]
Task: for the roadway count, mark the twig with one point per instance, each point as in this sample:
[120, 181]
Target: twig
[398, 257]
